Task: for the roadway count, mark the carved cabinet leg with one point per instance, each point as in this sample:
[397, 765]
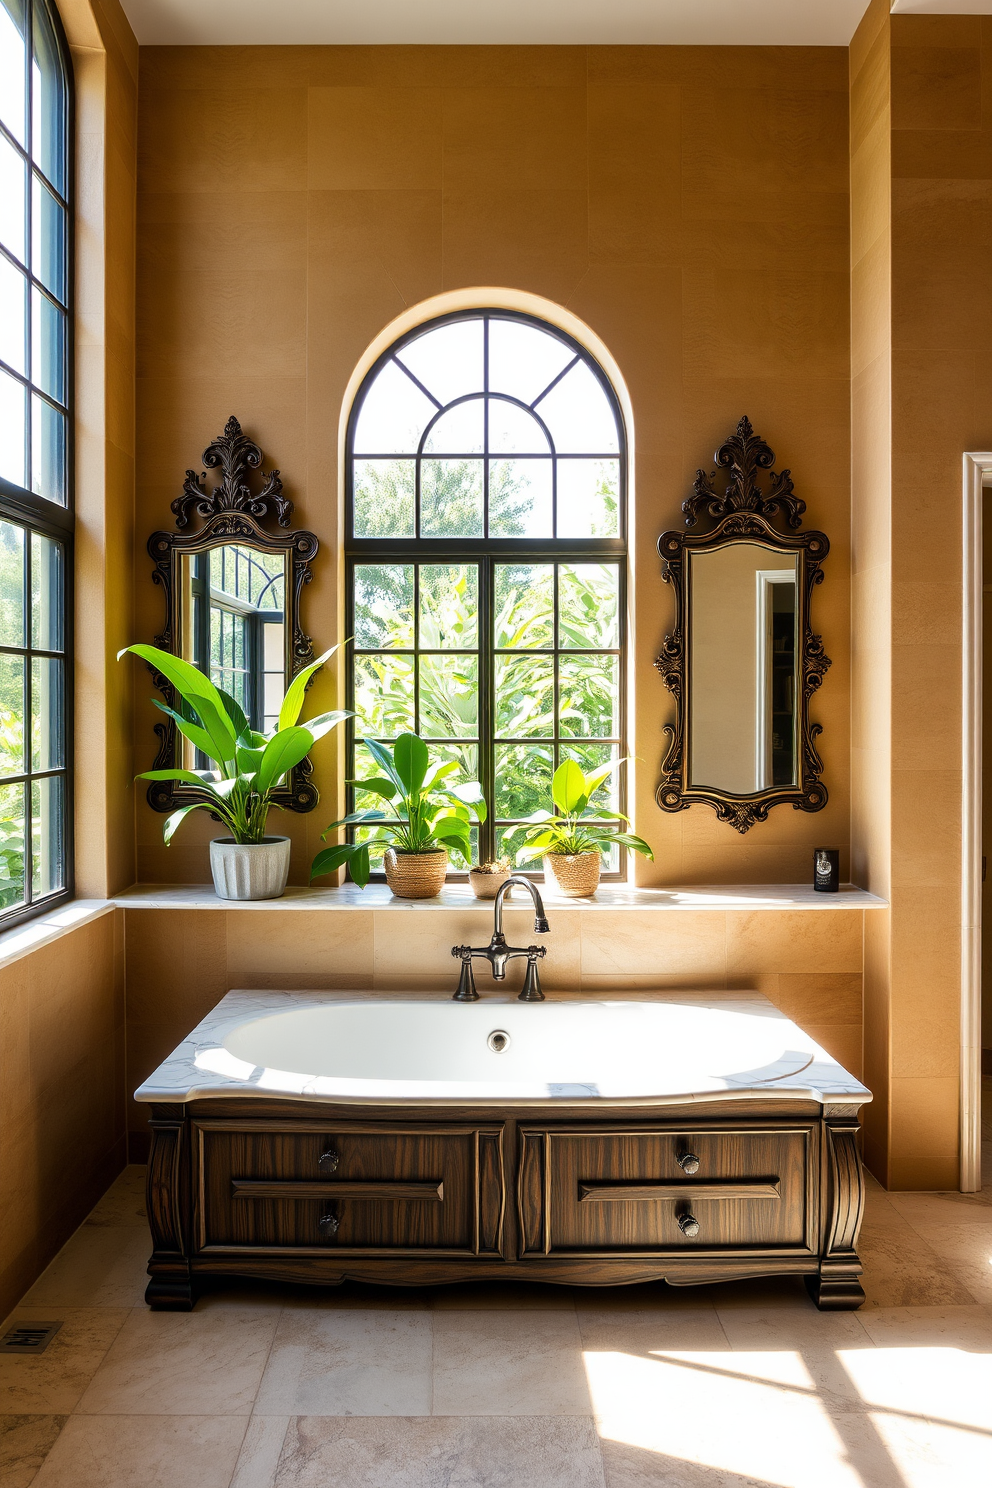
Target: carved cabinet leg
[837, 1285]
[170, 1288]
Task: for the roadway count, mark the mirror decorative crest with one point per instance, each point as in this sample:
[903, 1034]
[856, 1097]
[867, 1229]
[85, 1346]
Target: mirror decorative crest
[232, 602]
[743, 661]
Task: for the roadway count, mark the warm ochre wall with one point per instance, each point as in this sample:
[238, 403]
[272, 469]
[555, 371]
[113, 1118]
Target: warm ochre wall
[62, 1006]
[689, 204]
[871, 559]
[61, 1095]
[922, 300]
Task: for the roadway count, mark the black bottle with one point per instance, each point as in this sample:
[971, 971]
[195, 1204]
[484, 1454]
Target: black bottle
[826, 869]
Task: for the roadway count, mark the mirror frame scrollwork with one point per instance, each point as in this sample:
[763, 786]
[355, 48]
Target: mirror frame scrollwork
[231, 512]
[742, 511]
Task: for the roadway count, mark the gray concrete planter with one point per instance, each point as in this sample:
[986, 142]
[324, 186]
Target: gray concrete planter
[249, 870]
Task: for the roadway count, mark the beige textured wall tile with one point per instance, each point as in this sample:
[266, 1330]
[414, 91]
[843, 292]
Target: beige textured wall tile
[655, 945]
[322, 949]
[374, 138]
[780, 941]
[515, 138]
[414, 950]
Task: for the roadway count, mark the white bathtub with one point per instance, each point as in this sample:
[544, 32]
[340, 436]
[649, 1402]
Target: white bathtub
[376, 1049]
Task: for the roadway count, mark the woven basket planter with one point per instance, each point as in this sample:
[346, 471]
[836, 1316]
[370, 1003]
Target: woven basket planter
[577, 875]
[416, 875]
[487, 885]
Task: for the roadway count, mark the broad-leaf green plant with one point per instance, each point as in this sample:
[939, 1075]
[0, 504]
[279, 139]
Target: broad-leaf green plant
[572, 827]
[429, 811]
[249, 764]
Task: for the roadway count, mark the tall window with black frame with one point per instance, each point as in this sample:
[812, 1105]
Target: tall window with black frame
[486, 553]
[35, 457]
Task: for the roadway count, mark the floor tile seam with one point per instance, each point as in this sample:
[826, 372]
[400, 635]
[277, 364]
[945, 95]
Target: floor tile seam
[261, 1373]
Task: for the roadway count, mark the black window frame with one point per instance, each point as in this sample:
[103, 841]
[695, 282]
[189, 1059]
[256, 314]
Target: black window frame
[486, 552]
[26, 509]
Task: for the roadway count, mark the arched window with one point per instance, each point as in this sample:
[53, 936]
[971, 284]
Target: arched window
[35, 519]
[486, 486]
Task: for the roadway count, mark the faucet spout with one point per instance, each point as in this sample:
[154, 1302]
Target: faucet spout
[541, 926]
[498, 953]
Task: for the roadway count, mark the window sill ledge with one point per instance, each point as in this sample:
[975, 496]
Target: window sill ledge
[739, 898]
[30, 936]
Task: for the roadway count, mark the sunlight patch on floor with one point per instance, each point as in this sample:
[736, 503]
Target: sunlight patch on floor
[916, 1417]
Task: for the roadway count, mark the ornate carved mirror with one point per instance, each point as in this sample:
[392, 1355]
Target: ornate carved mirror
[743, 660]
[232, 601]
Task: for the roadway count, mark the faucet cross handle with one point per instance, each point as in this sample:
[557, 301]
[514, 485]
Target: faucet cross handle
[466, 980]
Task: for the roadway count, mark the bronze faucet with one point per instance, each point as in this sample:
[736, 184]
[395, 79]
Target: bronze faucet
[497, 952]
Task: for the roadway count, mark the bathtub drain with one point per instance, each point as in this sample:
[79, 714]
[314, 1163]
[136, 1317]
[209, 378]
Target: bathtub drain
[498, 1040]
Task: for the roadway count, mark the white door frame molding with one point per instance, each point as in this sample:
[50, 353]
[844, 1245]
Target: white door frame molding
[977, 477]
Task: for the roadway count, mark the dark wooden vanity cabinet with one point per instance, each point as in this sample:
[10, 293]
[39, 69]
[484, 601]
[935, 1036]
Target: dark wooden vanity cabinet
[297, 1191]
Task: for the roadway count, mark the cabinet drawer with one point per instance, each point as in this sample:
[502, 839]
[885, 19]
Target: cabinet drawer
[278, 1185]
[587, 1191]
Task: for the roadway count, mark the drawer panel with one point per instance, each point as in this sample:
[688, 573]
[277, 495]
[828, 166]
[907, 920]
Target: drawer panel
[624, 1192]
[348, 1187]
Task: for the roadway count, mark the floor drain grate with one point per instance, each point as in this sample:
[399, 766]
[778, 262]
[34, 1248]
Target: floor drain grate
[29, 1338]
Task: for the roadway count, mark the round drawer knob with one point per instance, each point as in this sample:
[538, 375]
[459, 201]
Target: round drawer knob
[689, 1225]
[689, 1162]
[328, 1161]
[328, 1224]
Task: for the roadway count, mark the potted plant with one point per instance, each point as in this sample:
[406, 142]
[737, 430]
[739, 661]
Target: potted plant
[430, 817]
[571, 843]
[487, 878]
[247, 864]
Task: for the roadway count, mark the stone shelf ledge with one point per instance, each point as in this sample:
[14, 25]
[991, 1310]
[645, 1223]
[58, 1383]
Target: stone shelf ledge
[742, 898]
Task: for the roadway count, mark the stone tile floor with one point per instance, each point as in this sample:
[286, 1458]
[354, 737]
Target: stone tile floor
[732, 1386]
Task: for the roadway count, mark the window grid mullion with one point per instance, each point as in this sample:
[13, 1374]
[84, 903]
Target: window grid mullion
[487, 703]
[416, 648]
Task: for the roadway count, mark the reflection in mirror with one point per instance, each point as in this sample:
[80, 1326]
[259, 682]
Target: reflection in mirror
[742, 668]
[233, 625]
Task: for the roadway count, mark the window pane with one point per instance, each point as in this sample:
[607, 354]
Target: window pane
[393, 416]
[12, 179]
[13, 401]
[449, 697]
[47, 832]
[448, 360]
[47, 733]
[11, 584]
[47, 346]
[48, 102]
[588, 498]
[589, 696]
[12, 59]
[48, 240]
[47, 451]
[524, 605]
[12, 760]
[383, 605]
[590, 757]
[523, 780]
[513, 431]
[523, 359]
[12, 312]
[525, 697]
[12, 886]
[588, 595]
[451, 498]
[579, 415]
[384, 498]
[383, 695]
[458, 432]
[520, 498]
[449, 607]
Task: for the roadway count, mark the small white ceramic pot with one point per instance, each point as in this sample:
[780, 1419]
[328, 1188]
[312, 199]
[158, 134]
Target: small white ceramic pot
[249, 870]
[576, 874]
[415, 875]
[487, 885]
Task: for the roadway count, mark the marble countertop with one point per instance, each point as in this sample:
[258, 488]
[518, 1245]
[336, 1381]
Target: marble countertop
[745, 898]
[202, 1067]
